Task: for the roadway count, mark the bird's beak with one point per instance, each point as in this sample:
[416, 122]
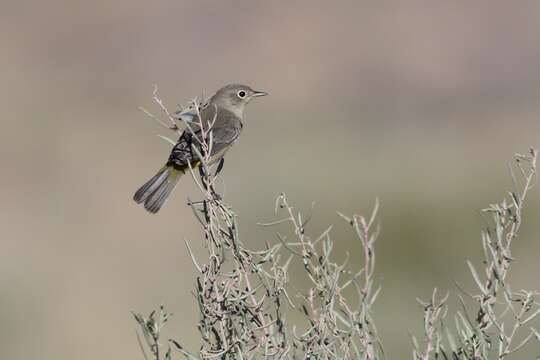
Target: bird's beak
[259, 93]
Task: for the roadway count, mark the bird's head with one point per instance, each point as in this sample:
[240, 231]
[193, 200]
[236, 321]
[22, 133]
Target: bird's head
[235, 97]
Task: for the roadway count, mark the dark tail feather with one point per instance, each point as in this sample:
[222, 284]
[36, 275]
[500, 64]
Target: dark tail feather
[156, 190]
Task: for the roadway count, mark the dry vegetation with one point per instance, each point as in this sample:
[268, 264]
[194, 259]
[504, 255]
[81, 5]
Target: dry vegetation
[244, 294]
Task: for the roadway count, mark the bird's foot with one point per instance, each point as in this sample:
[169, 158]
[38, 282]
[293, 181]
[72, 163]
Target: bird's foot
[216, 196]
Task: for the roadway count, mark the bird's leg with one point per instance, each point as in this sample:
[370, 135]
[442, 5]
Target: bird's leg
[220, 166]
[202, 174]
[218, 170]
[206, 185]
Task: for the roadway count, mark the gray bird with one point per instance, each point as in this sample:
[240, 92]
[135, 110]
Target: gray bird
[226, 106]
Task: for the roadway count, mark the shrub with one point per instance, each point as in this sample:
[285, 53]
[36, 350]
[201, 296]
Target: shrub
[244, 295]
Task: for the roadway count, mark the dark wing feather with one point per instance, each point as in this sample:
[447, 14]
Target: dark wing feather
[182, 153]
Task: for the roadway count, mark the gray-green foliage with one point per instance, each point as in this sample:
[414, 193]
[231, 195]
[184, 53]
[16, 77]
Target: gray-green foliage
[499, 324]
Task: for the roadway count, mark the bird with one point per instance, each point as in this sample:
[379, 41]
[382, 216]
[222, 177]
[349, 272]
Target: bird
[224, 112]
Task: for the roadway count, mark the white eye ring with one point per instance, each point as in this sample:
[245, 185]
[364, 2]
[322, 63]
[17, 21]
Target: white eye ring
[241, 94]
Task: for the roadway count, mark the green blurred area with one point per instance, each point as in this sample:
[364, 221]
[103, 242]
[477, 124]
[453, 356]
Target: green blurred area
[420, 104]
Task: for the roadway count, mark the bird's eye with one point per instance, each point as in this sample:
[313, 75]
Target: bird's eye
[241, 94]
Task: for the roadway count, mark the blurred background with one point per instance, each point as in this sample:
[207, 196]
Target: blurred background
[419, 103]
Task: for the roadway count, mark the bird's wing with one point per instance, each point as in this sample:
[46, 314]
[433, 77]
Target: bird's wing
[225, 130]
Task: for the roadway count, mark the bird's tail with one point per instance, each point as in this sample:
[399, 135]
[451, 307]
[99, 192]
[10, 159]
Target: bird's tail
[156, 190]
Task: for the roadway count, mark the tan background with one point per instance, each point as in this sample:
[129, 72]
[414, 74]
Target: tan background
[420, 103]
